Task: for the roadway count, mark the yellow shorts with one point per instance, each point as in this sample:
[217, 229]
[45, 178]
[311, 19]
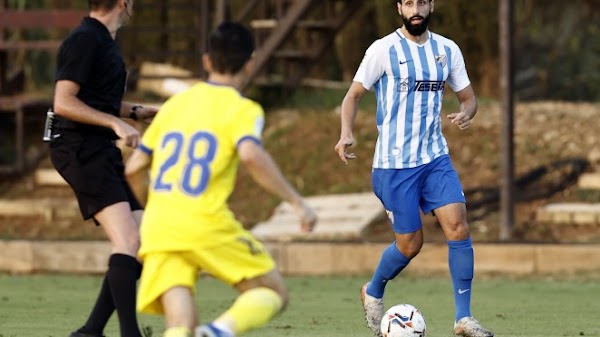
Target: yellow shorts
[231, 262]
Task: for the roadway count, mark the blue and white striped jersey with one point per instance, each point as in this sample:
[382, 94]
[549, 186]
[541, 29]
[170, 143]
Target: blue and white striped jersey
[409, 85]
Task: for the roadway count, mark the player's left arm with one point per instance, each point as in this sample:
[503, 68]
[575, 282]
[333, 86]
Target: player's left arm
[136, 171]
[459, 82]
[266, 173]
[467, 108]
[139, 162]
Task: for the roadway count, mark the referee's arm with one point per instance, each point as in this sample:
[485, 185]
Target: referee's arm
[68, 105]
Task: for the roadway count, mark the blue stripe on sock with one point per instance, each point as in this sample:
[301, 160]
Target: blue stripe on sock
[216, 331]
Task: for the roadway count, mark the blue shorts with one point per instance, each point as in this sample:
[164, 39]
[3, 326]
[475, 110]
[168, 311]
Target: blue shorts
[404, 191]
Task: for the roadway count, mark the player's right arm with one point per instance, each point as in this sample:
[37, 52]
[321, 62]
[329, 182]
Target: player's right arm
[68, 105]
[348, 115]
[267, 174]
[369, 72]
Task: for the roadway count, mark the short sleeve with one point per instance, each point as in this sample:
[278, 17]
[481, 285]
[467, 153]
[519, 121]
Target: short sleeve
[371, 68]
[76, 57]
[152, 133]
[458, 78]
[248, 124]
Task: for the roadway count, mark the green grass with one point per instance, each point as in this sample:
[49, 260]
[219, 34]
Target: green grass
[52, 305]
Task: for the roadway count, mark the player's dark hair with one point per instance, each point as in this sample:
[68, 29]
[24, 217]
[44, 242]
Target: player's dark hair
[230, 46]
[102, 4]
[400, 1]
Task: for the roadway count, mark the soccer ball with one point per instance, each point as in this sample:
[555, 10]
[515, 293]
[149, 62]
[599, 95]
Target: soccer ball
[403, 320]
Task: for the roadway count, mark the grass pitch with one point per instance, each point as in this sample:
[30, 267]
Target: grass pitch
[53, 305]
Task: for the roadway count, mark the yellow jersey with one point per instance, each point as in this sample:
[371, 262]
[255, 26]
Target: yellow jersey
[193, 143]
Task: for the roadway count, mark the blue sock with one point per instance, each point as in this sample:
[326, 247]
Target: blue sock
[391, 264]
[216, 330]
[460, 261]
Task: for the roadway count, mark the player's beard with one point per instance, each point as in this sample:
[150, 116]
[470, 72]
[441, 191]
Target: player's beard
[418, 29]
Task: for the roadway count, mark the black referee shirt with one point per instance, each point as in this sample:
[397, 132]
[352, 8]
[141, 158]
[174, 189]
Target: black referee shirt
[90, 57]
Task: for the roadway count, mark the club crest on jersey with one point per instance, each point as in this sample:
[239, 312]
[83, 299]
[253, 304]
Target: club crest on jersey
[442, 60]
[404, 84]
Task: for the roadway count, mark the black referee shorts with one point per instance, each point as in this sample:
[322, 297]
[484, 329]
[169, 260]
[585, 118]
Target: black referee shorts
[93, 166]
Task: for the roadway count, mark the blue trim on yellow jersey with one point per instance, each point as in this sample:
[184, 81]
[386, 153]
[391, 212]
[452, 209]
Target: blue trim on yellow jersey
[145, 149]
[251, 138]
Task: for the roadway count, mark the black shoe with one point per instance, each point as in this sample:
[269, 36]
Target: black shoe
[78, 333]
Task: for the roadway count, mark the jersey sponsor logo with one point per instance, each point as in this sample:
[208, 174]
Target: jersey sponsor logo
[429, 85]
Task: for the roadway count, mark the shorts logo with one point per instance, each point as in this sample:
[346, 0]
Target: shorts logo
[390, 215]
[251, 247]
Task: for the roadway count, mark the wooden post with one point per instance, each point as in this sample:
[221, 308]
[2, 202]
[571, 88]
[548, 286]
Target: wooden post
[204, 31]
[164, 24]
[19, 138]
[3, 55]
[223, 12]
[507, 216]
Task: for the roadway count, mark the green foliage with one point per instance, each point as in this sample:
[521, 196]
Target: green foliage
[556, 47]
[557, 52]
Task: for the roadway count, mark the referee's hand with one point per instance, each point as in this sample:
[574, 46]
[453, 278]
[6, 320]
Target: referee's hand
[127, 133]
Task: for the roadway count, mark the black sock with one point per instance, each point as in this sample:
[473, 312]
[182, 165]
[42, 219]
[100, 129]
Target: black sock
[123, 273]
[102, 311]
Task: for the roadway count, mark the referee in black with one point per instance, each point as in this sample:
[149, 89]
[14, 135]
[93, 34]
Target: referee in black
[90, 83]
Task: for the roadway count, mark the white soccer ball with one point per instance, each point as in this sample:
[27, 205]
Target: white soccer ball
[403, 320]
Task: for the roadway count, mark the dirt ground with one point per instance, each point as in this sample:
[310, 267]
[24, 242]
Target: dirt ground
[554, 142]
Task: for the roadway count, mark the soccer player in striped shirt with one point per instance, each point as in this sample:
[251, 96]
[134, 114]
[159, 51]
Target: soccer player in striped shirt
[409, 69]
